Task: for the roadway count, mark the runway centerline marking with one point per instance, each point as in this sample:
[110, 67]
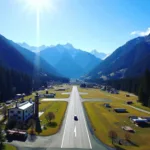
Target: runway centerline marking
[75, 133]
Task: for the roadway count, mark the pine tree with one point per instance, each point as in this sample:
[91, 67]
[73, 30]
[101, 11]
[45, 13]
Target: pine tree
[2, 138]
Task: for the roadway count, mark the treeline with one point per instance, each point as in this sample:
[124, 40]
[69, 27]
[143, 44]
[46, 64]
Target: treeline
[13, 82]
[139, 86]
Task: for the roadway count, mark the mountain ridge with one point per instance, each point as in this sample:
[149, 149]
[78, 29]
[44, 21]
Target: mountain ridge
[119, 64]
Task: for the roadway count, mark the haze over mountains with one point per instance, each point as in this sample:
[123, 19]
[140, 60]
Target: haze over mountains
[69, 61]
[100, 55]
[20, 59]
[129, 60]
[59, 60]
[32, 48]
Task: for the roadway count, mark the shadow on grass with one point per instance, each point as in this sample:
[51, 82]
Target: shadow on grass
[144, 125]
[52, 124]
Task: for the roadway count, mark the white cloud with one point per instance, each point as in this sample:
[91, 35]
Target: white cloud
[141, 33]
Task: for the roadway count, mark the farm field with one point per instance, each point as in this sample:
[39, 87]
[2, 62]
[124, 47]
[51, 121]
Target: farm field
[103, 120]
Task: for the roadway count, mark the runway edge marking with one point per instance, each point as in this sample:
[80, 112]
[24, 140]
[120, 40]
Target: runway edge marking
[66, 122]
[86, 126]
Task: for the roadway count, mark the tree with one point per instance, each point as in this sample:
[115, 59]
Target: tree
[2, 138]
[4, 111]
[144, 90]
[50, 116]
[127, 136]
[113, 135]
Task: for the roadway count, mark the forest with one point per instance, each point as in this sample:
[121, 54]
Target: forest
[13, 82]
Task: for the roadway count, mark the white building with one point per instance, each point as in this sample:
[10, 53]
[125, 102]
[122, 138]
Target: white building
[22, 111]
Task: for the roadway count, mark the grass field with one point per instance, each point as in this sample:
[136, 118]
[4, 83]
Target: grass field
[103, 121]
[58, 108]
[119, 98]
[9, 147]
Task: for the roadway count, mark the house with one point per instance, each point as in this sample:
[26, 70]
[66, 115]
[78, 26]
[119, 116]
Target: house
[140, 121]
[129, 102]
[127, 95]
[22, 111]
[17, 134]
[9, 102]
[127, 128]
[51, 95]
[107, 105]
[148, 118]
[120, 110]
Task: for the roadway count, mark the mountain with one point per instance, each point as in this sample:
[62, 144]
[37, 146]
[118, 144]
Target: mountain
[15, 57]
[129, 60]
[99, 54]
[70, 61]
[32, 48]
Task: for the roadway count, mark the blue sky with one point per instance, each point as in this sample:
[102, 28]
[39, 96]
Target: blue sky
[87, 24]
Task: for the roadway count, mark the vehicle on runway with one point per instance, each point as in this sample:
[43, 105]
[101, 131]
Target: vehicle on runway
[75, 118]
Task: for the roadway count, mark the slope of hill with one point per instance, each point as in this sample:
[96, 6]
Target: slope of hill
[74, 64]
[35, 59]
[128, 60]
[11, 58]
[15, 57]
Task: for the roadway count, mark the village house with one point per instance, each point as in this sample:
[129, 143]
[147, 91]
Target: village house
[22, 111]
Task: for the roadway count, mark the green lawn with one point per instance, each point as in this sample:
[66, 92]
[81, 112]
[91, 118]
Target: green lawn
[103, 121]
[119, 98]
[58, 108]
[9, 147]
[139, 105]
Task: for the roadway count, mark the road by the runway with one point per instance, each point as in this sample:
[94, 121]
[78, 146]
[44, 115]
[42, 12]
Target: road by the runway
[75, 134]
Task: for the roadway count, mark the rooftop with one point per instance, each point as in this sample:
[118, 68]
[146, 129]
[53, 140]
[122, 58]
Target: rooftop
[25, 105]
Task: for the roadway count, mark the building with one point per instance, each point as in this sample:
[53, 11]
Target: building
[22, 111]
[120, 110]
[51, 95]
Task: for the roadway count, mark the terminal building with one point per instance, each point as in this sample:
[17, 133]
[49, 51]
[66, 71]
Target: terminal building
[22, 111]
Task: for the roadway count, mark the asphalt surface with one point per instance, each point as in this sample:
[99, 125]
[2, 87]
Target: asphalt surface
[73, 135]
[76, 134]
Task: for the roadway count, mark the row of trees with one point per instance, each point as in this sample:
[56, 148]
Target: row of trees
[144, 89]
[13, 82]
[139, 86]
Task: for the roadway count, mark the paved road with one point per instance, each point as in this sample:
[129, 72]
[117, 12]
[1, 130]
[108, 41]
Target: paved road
[72, 135]
[96, 100]
[138, 109]
[54, 99]
[76, 134]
